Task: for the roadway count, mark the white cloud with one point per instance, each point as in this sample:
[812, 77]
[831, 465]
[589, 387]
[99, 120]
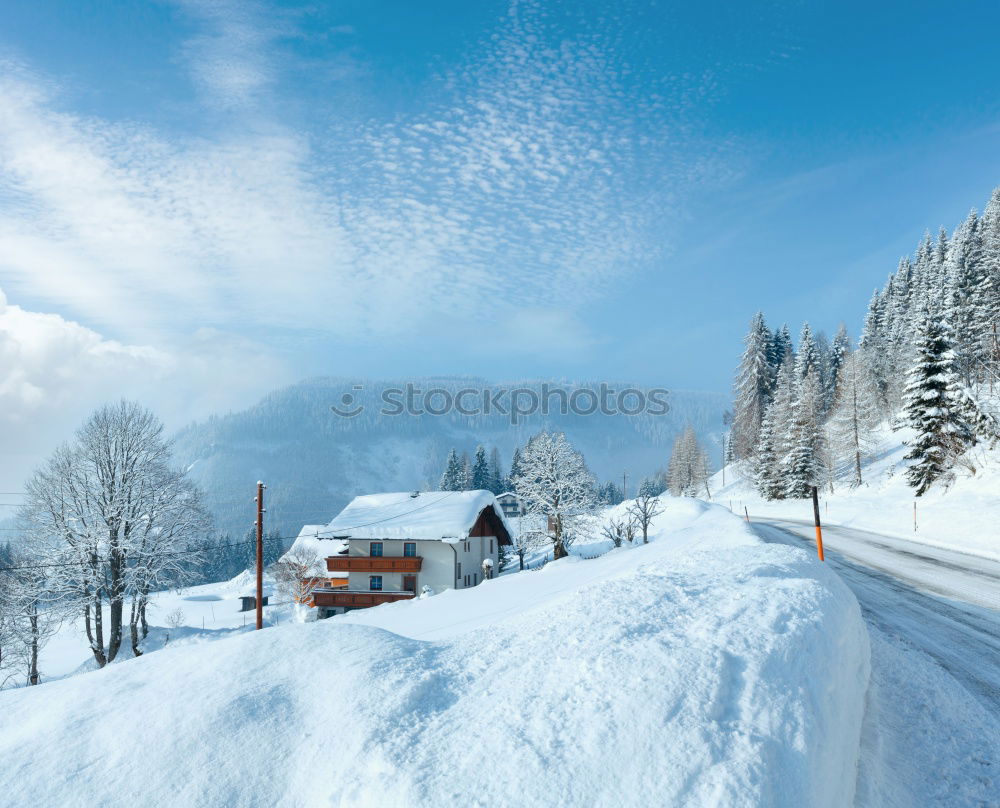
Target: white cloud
[49, 362]
[527, 181]
[527, 169]
[54, 371]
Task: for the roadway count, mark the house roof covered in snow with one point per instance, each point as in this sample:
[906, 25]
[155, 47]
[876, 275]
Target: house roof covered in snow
[318, 541]
[436, 515]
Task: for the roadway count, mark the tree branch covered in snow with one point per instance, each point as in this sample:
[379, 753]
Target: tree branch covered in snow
[554, 482]
[112, 521]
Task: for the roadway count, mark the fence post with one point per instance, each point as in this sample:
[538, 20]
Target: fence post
[819, 530]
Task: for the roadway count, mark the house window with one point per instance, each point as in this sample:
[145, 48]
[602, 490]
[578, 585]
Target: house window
[491, 546]
[375, 583]
[375, 549]
[410, 583]
[475, 578]
[459, 573]
[409, 549]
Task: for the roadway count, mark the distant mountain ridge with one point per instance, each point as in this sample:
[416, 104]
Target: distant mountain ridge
[314, 461]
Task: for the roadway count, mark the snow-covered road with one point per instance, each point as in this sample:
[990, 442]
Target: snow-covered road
[931, 734]
[960, 576]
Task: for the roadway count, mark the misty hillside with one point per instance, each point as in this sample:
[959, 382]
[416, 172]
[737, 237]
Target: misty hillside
[314, 461]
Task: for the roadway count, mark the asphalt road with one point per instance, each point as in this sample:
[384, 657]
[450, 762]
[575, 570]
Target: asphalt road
[943, 603]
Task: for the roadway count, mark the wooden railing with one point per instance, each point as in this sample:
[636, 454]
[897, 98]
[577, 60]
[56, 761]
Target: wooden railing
[374, 563]
[356, 600]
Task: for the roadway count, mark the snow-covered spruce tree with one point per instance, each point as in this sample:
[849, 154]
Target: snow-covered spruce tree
[687, 472]
[876, 350]
[480, 471]
[767, 469]
[497, 478]
[991, 234]
[803, 467]
[554, 482]
[781, 351]
[100, 510]
[652, 486]
[807, 358]
[609, 494]
[771, 469]
[451, 479]
[965, 307]
[753, 388]
[839, 352]
[933, 404]
[855, 415]
[824, 351]
[465, 478]
[515, 469]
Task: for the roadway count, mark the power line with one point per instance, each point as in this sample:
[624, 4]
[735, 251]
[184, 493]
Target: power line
[233, 544]
[157, 555]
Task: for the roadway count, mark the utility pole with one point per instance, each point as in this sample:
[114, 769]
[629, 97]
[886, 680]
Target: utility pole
[819, 530]
[624, 486]
[260, 555]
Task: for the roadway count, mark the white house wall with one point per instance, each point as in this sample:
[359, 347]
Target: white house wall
[438, 568]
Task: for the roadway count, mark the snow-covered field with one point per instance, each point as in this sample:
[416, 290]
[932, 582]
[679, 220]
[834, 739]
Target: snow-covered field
[202, 614]
[962, 516]
[705, 668]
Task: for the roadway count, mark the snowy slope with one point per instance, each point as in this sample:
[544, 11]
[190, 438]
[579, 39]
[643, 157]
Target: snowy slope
[961, 516]
[705, 668]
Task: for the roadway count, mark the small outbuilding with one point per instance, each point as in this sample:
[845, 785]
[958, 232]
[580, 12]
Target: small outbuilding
[249, 602]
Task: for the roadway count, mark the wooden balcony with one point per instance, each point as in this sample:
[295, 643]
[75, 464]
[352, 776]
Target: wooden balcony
[374, 563]
[356, 599]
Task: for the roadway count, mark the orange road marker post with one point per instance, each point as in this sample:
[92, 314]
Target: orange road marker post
[819, 529]
[746, 512]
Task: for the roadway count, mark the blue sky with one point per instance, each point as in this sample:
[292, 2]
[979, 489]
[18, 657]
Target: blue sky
[509, 189]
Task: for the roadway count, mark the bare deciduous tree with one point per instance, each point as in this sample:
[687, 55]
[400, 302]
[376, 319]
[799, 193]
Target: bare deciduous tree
[620, 530]
[643, 509]
[113, 520]
[29, 616]
[295, 571]
[174, 620]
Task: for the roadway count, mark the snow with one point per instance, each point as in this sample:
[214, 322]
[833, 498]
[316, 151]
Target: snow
[911, 698]
[962, 516]
[931, 734]
[705, 668]
[318, 542]
[447, 515]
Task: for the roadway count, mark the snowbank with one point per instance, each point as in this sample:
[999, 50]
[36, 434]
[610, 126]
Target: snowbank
[961, 516]
[705, 668]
